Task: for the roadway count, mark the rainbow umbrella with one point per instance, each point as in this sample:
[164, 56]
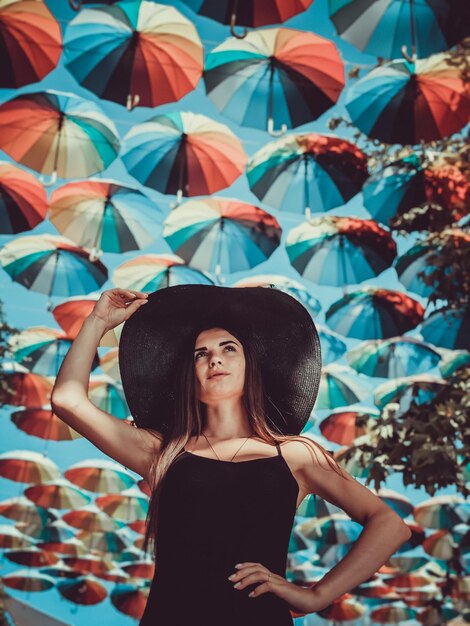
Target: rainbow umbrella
[30, 42]
[99, 475]
[336, 251]
[104, 215]
[42, 349]
[23, 200]
[43, 423]
[448, 328]
[222, 234]
[410, 182]
[300, 172]
[130, 599]
[423, 258]
[44, 263]
[374, 313]
[290, 286]
[392, 357]
[341, 386]
[57, 134]
[183, 153]
[25, 466]
[406, 103]
[273, 77]
[150, 272]
[387, 28]
[134, 53]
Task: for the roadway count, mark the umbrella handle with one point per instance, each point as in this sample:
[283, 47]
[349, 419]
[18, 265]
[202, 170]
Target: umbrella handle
[275, 133]
[132, 101]
[51, 181]
[76, 5]
[404, 51]
[241, 35]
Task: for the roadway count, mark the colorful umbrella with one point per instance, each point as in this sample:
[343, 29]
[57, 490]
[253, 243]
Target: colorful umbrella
[109, 363]
[387, 28]
[393, 357]
[338, 528]
[452, 361]
[336, 251]
[374, 313]
[82, 590]
[150, 272]
[25, 466]
[23, 200]
[273, 77]
[32, 557]
[99, 475]
[341, 386]
[130, 599]
[44, 263]
[406, 103]
[105, 216]
[448, 328]
[30, 42]
[43, 423]
[300, 172]
[28, 580]
[343, 427]
[58, 494]
[10, 537]
[57, 134]
[22, 510]
[418, 388]
[25, 388]
[127, 506]
[134, 53]
[71, 314]
[440, 512]
[411, 182]
[183, 153]
[91, 518]
[222, 234]
[108, 395]
[107, 543]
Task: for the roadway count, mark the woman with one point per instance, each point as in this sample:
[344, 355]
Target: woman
[220, 381]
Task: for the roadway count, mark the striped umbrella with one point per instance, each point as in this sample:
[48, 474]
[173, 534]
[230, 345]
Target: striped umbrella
[336, 251]
[108, 395]
[107, 543]
[440, 545]
[140, 569]
[85, 590]
[441, 512]
[23, 200]
[126, 506]
[105, 216]
[99, 475]
[24, 388]
[452, 361]
[448, 328]
[42, 349]
[57, 134]
[406, 103]
[414, 265]
[44, 263]
[393, 357]
[222, 234]
[90, 564]
[387, 28]
[342, 427]
[374, 313]
[134, 53]
[392, 614]
[273, 77]
[150, 272]
[30, 42]
[43, 423]
[25, 466]
[91, 518]
[70, 547]
[28, 580]
[130, 599]
[57, 494]
[22, 510]
[183, 153]
[410, 182]
[419, 389]
[336, 529]
[300, 172]
[11, 537]
[32, 557]
[290, 286]
[340, 386]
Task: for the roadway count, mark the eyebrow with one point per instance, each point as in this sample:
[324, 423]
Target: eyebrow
[222, 343]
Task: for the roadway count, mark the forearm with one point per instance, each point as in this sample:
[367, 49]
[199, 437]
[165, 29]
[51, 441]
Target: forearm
[72, 380]
[382, 535]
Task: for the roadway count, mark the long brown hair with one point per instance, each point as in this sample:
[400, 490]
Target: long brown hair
[188, 420]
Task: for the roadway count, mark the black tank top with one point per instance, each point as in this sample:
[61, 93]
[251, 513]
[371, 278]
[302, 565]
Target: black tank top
[212, 515]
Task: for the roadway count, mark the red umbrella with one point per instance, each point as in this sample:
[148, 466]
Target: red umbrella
[23, 200]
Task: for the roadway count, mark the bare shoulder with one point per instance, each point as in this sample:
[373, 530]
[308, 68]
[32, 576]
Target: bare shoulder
[302, 452]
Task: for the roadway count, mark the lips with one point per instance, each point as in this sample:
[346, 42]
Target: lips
[218, 374]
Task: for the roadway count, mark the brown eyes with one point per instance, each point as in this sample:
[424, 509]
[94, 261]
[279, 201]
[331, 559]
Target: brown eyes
[204, 352]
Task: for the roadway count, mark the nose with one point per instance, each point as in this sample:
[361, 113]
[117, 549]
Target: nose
[214, 359]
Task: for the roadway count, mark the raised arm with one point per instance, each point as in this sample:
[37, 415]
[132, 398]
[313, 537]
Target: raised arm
[133, 447]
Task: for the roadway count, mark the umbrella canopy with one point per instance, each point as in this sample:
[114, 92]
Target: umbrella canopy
[448, 328]
[299, 172]
[340, 386]
[24, 466]
[406, 103]
[43, 263]
[83, 590]
[30, 42]
[274, 77]
[99, 475]
[342, 427]
[135, 53]
[374, 313]
[183, 153]
[336, 251]
[57, 134]
[43, 423]
[150, 272]
[383, 28]
[222, 234]
[58, 494]
[23, 200]
[104, 215]
[130, 599]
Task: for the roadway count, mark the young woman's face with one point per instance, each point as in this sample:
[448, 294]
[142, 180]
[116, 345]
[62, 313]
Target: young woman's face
[215, 351]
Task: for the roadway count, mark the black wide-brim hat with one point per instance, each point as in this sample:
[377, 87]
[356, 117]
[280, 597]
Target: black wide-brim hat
[276, 325]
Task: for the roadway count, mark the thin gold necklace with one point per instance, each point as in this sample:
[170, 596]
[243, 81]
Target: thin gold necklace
[235, 452]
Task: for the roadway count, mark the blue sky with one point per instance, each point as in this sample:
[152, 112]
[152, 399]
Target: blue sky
[24, 308]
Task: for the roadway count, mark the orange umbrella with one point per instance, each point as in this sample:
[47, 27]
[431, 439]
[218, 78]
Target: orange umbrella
[43, 423]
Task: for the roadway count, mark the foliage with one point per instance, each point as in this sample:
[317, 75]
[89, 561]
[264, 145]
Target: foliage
[6, 332]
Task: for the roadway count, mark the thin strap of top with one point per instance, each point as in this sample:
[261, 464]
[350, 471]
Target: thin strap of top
[278, 448]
